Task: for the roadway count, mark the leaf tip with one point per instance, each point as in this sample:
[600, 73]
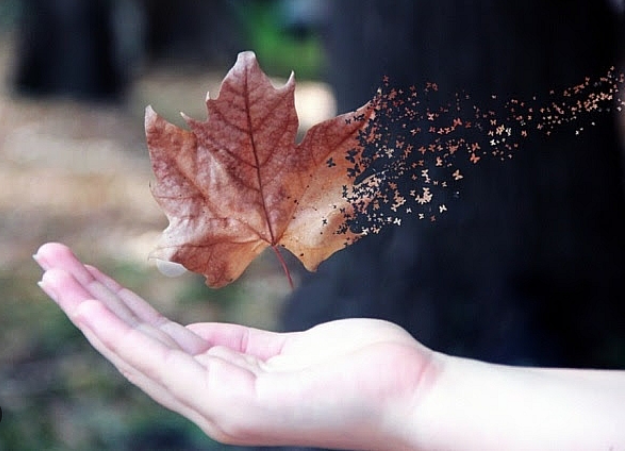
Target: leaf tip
[150, 116]
[245, 55]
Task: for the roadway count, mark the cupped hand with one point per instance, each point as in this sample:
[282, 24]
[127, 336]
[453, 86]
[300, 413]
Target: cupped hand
[344, 384]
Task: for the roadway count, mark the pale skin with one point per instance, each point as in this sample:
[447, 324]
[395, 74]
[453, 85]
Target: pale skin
[351, 384]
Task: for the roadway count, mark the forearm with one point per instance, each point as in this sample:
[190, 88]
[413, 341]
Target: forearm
[478, 406]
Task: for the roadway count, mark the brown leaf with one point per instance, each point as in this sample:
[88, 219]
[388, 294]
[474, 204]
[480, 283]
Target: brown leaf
[238, 183]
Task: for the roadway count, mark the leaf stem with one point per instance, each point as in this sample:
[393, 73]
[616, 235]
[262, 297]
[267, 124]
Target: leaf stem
[285, 268]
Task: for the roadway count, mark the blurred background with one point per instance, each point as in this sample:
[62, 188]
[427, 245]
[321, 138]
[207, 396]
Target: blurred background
[527, 267]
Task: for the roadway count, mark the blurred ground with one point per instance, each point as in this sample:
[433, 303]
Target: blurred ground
[80, 174]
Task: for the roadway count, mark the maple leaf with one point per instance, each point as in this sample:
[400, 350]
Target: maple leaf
[237, 183]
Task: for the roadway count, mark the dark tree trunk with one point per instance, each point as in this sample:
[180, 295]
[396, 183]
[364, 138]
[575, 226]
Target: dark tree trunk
[67, 48]
[89, 50]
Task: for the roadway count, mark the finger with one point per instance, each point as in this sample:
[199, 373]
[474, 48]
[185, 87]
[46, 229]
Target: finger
[185, 338]
[204, 397]
[58, 256]
[207, 387]
[50, 254]
[259, 343]
[73, 299]
[145, 382]
[80, 290]
[133, 301]
[69, 294]
[122, 301]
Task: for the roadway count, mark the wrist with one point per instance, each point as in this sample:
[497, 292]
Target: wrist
[406, 417]
[473, 405]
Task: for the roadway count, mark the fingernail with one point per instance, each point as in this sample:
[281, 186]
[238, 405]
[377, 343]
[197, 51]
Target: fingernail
[48, 290]
[40, 261]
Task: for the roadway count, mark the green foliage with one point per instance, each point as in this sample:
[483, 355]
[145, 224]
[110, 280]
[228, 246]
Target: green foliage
[279, 51]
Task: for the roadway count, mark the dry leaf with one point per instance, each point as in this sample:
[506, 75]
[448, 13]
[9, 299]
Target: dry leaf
[237, 183]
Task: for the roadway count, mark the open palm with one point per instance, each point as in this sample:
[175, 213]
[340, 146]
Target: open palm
[332, 385]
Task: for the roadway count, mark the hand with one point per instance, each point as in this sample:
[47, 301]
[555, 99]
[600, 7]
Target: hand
[355, 384]
[345, 384]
